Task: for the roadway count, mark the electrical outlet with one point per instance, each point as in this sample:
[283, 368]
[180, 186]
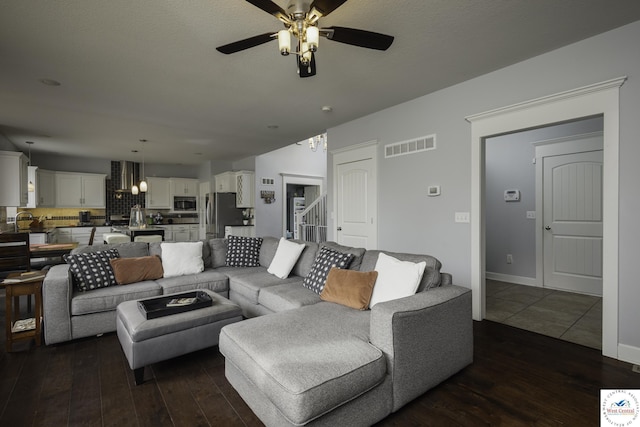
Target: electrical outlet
[531, 214]
[636, 369]
[461, 217]
[48, 217]
[509, 259]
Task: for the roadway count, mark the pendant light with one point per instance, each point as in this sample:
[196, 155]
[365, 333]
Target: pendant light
[30, 186]
[143, 183]
[134, 187]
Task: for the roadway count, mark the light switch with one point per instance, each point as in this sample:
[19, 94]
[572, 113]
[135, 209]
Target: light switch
[531, 214]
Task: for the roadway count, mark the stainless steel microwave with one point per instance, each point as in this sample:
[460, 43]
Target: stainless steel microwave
[184, 203]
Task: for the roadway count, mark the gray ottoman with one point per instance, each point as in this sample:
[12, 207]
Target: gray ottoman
[149, 341]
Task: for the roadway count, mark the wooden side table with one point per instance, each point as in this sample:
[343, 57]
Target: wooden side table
[13, 293]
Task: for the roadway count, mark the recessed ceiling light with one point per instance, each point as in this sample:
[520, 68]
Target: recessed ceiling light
[50, 82]
[327, 108]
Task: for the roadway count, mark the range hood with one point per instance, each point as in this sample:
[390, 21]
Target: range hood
[129, 176]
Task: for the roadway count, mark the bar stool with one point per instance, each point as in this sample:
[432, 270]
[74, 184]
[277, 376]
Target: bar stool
[112, 238]
[148, 238]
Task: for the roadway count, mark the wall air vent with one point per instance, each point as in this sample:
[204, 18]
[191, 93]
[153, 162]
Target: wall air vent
[416, 145]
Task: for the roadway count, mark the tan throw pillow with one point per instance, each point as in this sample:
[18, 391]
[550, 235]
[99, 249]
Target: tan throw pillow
[349, 287]
[132, 270]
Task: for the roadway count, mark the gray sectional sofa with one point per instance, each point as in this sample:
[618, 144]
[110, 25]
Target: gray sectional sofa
[296, 359]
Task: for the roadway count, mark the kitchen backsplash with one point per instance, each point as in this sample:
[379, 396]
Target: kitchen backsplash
[60, 217]
[66, 217]
[120, 203]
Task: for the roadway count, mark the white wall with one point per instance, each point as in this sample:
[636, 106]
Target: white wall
[411, 221]
[294, 160]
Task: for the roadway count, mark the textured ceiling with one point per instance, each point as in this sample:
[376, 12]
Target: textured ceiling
[149, 69]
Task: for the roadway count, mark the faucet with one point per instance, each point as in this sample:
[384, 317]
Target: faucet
[30, 216]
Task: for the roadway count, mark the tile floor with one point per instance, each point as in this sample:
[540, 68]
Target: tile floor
[571, 317]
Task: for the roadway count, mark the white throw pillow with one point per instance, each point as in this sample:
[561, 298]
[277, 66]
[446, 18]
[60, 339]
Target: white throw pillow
[285, 258]
[180, 258]
[396, 279]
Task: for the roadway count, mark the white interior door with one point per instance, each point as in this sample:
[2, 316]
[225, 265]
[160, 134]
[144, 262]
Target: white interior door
[572, 191]
[356, 203]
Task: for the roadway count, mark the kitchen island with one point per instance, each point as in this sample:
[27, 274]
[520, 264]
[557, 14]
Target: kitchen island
[133, 232]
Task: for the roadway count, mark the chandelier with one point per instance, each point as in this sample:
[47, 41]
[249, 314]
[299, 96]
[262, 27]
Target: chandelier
[317, 141]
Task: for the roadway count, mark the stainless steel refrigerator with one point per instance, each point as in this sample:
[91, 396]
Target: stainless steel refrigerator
[220, 210]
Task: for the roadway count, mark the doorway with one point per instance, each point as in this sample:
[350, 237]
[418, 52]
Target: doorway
[529, 227]
[300, 189]
[544, 274]
[298, 198]
[597, 99]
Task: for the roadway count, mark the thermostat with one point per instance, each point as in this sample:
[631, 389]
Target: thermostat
[433, 190]
[511, 195]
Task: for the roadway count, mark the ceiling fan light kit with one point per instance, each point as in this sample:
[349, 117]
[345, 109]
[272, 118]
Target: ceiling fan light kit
[301, 21]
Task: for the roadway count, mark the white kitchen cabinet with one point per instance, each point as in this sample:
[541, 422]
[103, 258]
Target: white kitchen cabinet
[194, 233]
[80, 190]
[168, 232]
[45, 188]
[184, 187]
[13, 179]
[79, 234]
[245, 189]
[180, 232]
[225, 182]
[62, 235]
[158, 193]
[240, 230]
[37, 238]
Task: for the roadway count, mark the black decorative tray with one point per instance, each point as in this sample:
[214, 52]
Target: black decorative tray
[173, 304]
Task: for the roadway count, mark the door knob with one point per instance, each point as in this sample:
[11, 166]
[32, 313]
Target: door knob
[547, 228]
[339, 228]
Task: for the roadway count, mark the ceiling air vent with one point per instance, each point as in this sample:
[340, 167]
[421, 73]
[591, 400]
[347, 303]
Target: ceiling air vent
[416, 145]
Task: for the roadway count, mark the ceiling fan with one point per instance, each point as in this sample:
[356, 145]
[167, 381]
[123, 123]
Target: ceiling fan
[300, 19]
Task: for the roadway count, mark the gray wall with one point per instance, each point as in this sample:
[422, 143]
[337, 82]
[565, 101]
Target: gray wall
[6, 145]
[508, 231]
[411, 221]
[92, 165]
[509, 166]
[293, 159]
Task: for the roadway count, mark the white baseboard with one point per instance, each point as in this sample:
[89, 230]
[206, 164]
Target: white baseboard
[629, 354]
[518, 280]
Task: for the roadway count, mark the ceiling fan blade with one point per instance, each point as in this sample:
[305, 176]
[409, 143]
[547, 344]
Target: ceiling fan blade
[272, 9]
[325, 7]
[246, 43]
[356, 37]
[308, 70]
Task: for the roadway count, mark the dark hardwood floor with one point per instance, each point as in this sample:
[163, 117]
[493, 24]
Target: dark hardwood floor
[518, 378]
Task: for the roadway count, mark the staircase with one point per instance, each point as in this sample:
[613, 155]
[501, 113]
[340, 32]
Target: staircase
[311, 223]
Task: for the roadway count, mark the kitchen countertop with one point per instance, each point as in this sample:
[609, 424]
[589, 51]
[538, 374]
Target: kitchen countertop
[125, 228]
[34, 230]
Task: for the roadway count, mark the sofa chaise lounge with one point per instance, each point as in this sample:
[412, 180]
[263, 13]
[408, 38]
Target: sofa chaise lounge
[297, 359]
